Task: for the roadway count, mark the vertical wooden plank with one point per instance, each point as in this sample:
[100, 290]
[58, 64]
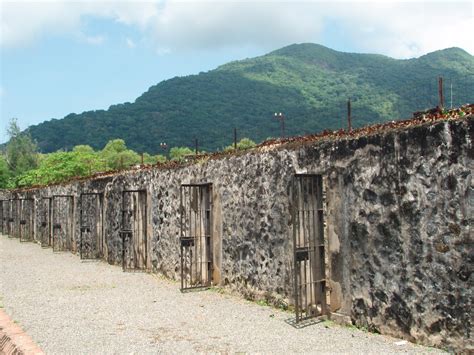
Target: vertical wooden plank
[71, 220]
[181, 211]
[295, 219]
[95, 225]
[313, 254]
[32, 220]
[2, 221]
[324, 309]
[1, 216]
[209, 218]
[200, 236]
[144, 225]
[139, 235]
[53, 220]
[102, 227]
[136, 231]
[123, 227]
[316, 261]
[20, 218]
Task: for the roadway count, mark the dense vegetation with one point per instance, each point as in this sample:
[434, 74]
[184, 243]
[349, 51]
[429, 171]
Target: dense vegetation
[21, 165]
[308, 82]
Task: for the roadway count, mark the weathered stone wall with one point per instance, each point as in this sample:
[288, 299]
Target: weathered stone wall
[398, 218]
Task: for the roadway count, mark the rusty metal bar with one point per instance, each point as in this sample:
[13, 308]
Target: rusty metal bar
[235, 138]
[46, 222]
[84, 228]
[349, 118]
[30, 217]
[57, 228]
[308, 245]
[440, 92]
[195, 236]
[129, 229]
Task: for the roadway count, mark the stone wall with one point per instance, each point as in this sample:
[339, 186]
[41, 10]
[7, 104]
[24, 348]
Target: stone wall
[398, 216]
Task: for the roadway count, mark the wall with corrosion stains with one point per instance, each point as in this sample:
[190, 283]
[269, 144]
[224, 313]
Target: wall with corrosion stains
[398, 216]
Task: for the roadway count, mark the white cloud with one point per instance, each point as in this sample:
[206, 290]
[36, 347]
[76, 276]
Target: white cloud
[401, 29]
[22, 22]
[407, 29]
[200, 24]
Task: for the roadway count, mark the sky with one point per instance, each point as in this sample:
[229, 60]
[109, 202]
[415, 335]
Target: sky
[59, 57]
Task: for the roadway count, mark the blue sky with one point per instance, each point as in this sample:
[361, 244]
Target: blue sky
[59, 57]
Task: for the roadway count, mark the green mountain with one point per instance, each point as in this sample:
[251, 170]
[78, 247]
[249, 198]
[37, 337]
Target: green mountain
[309, 83]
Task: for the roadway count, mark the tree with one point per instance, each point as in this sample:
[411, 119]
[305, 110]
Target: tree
[61, 166]
[83, 149]
[114, 146]
[153, 159]
[179, 153]
[5, 172]
[243, 144]
[118, 156]
[21, 152]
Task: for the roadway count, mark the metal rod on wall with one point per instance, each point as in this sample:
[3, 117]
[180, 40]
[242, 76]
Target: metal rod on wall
[349, 118]
[235, 138]
[281, 117]
[440, 92]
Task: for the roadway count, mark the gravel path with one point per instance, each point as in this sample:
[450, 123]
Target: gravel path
[69, 306]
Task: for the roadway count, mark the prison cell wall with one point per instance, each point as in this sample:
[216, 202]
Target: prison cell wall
[398, 217]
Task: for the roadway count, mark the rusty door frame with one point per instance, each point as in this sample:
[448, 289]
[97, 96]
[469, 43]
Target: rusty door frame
[100, 196]
[7, 218]
[11, 220]
[125, 232]
[22, 221]
[48, 223]
[3, 218]
[58, 225]
[187, 242]
[308, 225]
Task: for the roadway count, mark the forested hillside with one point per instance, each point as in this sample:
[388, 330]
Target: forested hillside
[309, 83]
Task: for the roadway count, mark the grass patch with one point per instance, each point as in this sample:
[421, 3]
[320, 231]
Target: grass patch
[217, 289]
[262, 303]
[328, 323]
[273, 302]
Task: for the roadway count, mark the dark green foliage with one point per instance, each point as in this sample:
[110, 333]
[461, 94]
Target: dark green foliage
[308, 82]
